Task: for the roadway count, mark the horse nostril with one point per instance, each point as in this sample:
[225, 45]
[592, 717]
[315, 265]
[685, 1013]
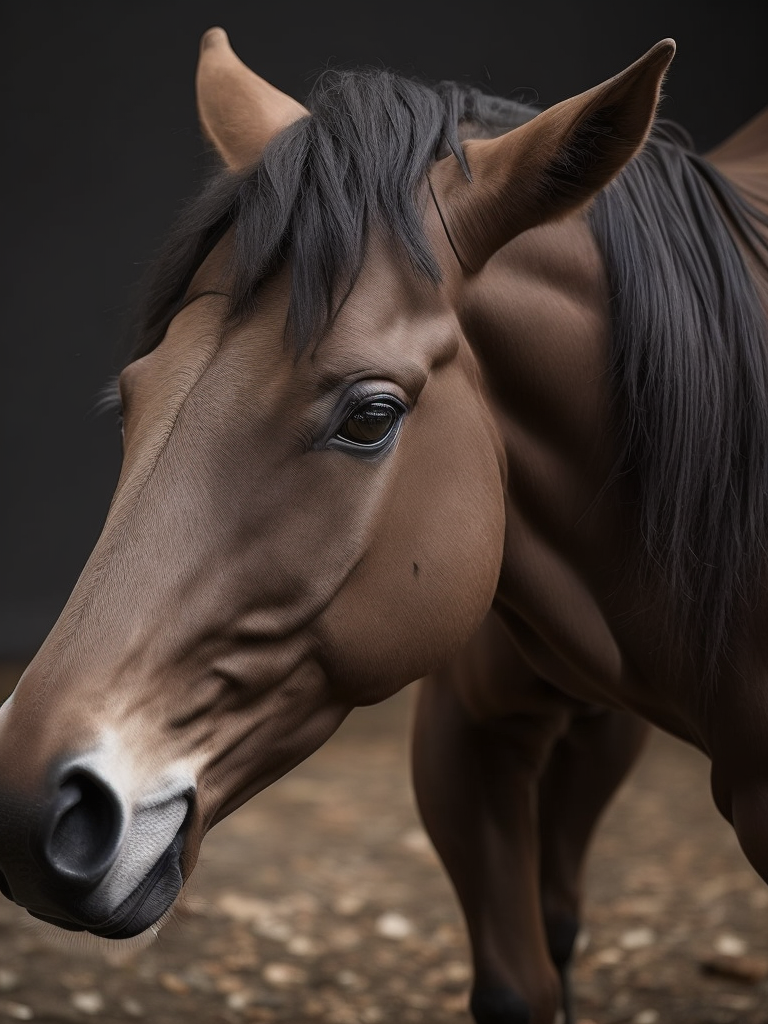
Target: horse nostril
[5, 889]
[84, 829]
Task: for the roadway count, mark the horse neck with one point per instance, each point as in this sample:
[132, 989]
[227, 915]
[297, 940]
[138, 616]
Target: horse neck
[536, 318]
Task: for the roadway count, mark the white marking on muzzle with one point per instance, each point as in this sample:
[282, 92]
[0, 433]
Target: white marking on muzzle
[150, 832]
[151, 820]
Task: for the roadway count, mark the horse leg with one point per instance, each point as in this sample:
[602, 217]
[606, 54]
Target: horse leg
[585, 768]
[476, 786]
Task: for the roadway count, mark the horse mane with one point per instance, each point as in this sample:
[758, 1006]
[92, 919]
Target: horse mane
[360, 160]
[690, 381]
[689, 336]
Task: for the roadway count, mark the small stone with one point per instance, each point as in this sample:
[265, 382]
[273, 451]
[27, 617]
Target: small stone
[394, 926]
[417, 840]
[735, 1001]
[239, 1000]
[226, 983]
[730, 945]
[301, 945]
[132, 1007]
[244, 961]
[8, 979]
[284, 975]
[348, 905]
[637, 938]
[90, 1003]
[341, 1015]
[752, 969]
[18, 1011]
[173, 983]
[198, 979]
[451, 977]
[608, 957]
[243, 908]
[372, 1015]
[583, 939]
[277, 931]
[638, 906]
[418, 1000]
[301, 903]
[454, 1003]
[348, 979]
[263, 917]
[78, 980]
[313, 1007]
[646, 1017]
[456, 972]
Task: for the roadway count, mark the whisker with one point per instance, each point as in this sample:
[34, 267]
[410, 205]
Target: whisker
[115, 951]
[108, 398]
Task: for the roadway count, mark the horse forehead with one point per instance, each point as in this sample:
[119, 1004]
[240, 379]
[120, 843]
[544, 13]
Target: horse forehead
[393, 316]
[392, 323]
[400, 341]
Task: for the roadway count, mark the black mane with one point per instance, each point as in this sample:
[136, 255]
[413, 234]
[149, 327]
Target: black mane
[689, 350]
[689, 336]
[359, 160]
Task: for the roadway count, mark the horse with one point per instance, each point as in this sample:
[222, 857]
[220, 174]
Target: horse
[430, 385]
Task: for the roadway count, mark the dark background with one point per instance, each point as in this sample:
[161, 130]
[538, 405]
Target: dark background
[101, 148]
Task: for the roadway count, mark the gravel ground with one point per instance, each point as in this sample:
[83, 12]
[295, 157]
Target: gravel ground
[321, 901]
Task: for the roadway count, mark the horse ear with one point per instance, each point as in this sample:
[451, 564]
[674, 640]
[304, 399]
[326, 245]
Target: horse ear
[549, 166]
[239, 112]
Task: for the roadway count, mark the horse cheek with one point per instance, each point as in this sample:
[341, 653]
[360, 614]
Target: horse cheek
[428, 580]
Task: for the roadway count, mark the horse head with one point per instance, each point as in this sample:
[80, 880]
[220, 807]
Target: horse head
[311, 507]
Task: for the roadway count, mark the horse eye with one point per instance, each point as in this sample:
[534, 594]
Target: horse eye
[370, 423]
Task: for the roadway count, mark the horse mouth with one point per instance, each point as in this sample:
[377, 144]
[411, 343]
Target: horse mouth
[142, 908]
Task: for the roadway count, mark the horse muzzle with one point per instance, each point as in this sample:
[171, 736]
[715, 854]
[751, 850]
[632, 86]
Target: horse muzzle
[82, 856]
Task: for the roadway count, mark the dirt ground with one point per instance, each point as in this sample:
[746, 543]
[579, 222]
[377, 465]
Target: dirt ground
[321, 901]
